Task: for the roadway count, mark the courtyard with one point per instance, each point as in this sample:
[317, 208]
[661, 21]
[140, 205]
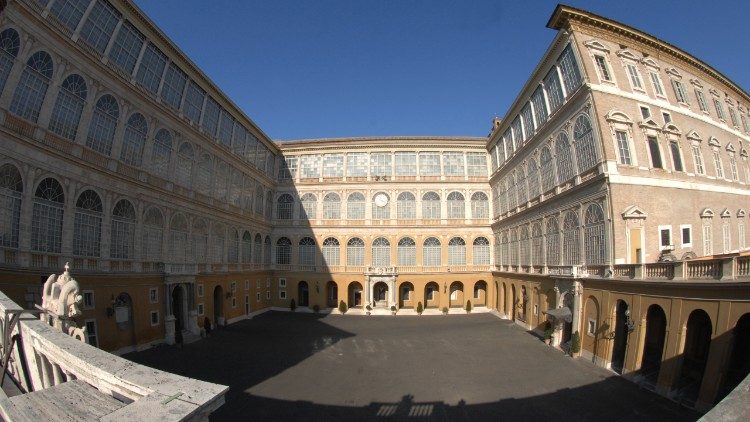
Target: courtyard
[295, 366]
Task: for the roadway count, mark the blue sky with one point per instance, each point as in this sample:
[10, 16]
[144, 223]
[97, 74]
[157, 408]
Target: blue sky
[325, 68]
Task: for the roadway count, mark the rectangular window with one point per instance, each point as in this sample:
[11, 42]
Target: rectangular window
[91, 332]
[656, 81]
[708, 241]
[741, 235]
[88, 299]
[154, 318]
[406, 163]
[726, 237]
[667, 117]
[381, 164]
[309, 166]
[719, 110]
[173, 87]
[733, 167]
[528, 122]
[99, 26]
[257, 284]
[476, 164]
[517, 133]
[153, 295]
[591, 327]
[151, 68]
[733, 116]
[745, 124]
[453, 163]
[211, 117]
[233, 287]
[193, 105]
[676, 156]
[288, 169]
[127, 48]
[698, 158]
[601, 64]
[554, 91]
[645, 112]
[679, 91]
[623, 146]
[540, 106]
[69, 12]
[635, 78]
[571, 75]
[701, 101]
[687, 235]
[333, 165]
[247, 284]
[653, 147]
[282, 294]
[282, 283]
[357, 164]
[429, 164]
[234, 302]
[257, 297]
[200, 309]
[226, 125]
[268, 295]
[718, 165]
[665, 237]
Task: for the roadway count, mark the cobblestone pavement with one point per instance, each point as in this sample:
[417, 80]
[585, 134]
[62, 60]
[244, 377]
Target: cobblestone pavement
[291, 366]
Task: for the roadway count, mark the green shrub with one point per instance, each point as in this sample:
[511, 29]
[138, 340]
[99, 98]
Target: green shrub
[575, 343]
[342, 307]
[393, 308]
[468, 306]
[420, 309]
[316, 308]
[445, 310]
[549, 330]
[369, 308]
[292, 305]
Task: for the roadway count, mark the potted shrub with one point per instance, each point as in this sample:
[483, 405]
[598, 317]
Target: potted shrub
[292, 305]
[316, 308]
[549, 330]
[393, 309]
[369, 308]
[342, 307]
[575, 344]
[420, 309]
[445, 310]
[468, 306]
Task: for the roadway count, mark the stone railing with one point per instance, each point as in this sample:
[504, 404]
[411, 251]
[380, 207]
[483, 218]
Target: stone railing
[46, 359]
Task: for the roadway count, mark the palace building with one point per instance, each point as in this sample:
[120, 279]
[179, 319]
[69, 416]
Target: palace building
[607, 205]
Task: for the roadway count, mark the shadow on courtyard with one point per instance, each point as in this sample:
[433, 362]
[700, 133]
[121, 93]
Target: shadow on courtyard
[252, 352]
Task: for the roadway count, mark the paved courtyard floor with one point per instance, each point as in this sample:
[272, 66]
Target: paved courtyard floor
[291, 366]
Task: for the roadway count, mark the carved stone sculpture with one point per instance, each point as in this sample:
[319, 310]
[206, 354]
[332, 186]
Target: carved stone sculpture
[61, 303]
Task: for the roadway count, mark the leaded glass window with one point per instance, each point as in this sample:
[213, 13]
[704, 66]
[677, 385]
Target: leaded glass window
[247, 248]
[203, 176]
[676, 155]
[217, 243]
[456, 205]
[533, 179]
[308, 207]
[564, 157]
[521, 188]
[284, 207]
[69, 12]
[47, 217]
[307, 251]
[481, 251]
[173, 86]
[122, 241]
[718, 165]
[586, 151]
[571, 75]
[429, 164]
[133, 140]
[184, 167]
[127, 47]
[259, 200]
[310, 166]
[331, 251]
[517, 133]
[430, 206]
[456, 251]
[221, 181]
[99, 26]
[406, 208]
[179, 239]
[407, 251]
[355, 252]
[283, 251]
[406, 163]
[192, 107]
[480, 206]
[258, 250]
[431, 251]
[453, 163]
[226, 124]
[380, 164]
[702, 105]
[540, 106]
[153, 233]
[537, 245]
[10, 43]
[476, 164]
[357, 164]
[210, 122]
[68, 107]
[288, 170]
[233, 247]
[528, 122]
[679, 91]
[524, 246]
[151, 68]
[733, 167]
[553, 241]
[571, 239]
[332, 206]
[267, 250]
[594, 242]
[32, 87]
[554, 90]
[103, 124]
[623, 147]
[333, 165]
[87, 225]
[161, 153]
[381, 252]
[11, 190]
[547, 169]
[355, 206]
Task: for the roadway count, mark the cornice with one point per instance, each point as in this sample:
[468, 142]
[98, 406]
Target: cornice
[399, 142]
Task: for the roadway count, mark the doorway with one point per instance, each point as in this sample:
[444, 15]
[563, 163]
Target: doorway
[621, 336]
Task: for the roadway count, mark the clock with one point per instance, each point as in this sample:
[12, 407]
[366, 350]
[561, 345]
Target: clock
[381, 200]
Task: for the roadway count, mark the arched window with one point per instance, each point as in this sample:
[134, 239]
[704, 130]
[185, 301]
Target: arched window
[221, 181]
[283, 251]
[203, 176]
[218, 234]
[258, 251]
[184, 169]
[505, 245]
[284, 207]
[456, 251]
[406, 208]
[407, 251]
[537, 245]
[10, 43]
[332, 206]
[480, 206]
[586, 152]
[355, 252]
[571, 239]
[179, 238]
[247, 248]
[32, 87]
[481, 251]
[308, 207]
[47, 217]
[68, 107]
[524, 246]
[521, 188]
[431, 252]
[11, 190]
[267, 251]
[381, 211]
[552, 235]
[430, 206]
[87, 232]
[233, 251]
[103, 124]
[153, 233]
[200, 242]
[564, 157]
[381, 252]
[133, 140]
[307, 251]
[331, 251]
[161, 153]
[512, 192]
[594, 241]
[456, 206]
[549, 180]
[355, 206]
[235, 192]
[123, 230]
[259, 200]
[532, 173]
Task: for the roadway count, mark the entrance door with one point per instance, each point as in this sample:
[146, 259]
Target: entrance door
[621, 337]
[218, 306]
[177, 311]
[380, 293]
[635, 246]
[303, 294]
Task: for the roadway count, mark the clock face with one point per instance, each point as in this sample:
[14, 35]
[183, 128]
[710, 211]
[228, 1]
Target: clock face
[381, 200]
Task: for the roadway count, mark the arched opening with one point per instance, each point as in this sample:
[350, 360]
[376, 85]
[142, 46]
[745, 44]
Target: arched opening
[332, 294]
[303, 294]
[504, 300]
[179, 307]
[355, 294]
[653, 345]
[123, 308]
[380, 294]
[739, 362]
[406, 295]
[457, 295]
[431, 295]
[567, 331]
[620, 343]
[694, 355]
[218, 306]
[480, 293]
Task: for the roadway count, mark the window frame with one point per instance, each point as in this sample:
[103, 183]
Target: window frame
[684, 244]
